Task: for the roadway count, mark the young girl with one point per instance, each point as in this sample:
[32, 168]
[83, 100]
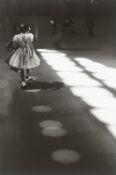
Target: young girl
[24, 57]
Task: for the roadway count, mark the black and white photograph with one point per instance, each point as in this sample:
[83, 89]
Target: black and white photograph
[57, 87]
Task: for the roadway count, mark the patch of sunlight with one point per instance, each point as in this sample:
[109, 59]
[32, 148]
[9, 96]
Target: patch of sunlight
[77, 79]
[65, 67]
[50, 123]
[90, 65]
[95, 69]
[106, 116]
[90, 91]
[113, 70]
[99, 70]
[83, 60]
[41, 108]
[53, 55]
[110, 83]
[101, 102]
[112, 129]
[53, 131]
[88, 62]
[47, 51]
[105, 75]
[61, 68]
[66, 156]
[60, 62]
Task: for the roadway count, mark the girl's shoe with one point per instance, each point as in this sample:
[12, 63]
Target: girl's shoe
[30, 78]
[23, 84]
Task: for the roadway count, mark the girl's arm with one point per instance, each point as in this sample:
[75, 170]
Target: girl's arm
[14, 42]
[31, 47]
[31, 43]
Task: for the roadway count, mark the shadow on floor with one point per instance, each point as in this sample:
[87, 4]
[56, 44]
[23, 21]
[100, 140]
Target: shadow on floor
[44, 85]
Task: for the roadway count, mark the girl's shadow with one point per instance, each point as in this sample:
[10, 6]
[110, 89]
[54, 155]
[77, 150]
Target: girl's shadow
[44, 85]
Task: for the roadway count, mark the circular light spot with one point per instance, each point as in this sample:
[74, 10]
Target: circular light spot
[50, 123]
[54, 132]
[32, 90]
[41, 108]
[66, 156]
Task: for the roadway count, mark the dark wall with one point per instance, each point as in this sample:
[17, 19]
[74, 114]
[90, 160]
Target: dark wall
[56, 7]
[37, 13]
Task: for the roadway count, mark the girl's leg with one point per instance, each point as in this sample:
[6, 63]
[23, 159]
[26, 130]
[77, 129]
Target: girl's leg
[23, 76]
[28, 73]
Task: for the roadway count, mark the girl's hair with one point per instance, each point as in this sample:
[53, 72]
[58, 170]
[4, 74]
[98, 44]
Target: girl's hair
[24, 28]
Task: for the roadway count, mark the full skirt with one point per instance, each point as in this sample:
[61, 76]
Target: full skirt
[22, 58]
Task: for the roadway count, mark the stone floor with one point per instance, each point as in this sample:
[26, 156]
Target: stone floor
[64, 122]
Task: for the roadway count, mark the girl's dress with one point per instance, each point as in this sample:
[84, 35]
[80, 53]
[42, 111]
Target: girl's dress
[24, 57]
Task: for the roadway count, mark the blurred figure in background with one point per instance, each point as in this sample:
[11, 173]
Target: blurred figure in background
[68, 25]
[58, 25]
[90, 16]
